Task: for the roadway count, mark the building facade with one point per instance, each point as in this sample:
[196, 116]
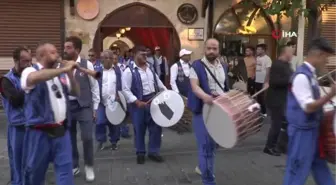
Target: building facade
[147, 22]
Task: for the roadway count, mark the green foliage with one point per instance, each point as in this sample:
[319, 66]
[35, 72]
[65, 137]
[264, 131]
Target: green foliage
[291, 8]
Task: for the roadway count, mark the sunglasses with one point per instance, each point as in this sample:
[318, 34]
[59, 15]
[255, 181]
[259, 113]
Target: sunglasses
[56, 90]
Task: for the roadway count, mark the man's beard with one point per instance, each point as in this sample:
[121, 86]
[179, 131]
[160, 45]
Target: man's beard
[210, 58]
[67, 56]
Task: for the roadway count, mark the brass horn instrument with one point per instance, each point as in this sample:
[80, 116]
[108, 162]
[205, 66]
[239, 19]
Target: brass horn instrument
[94, 74]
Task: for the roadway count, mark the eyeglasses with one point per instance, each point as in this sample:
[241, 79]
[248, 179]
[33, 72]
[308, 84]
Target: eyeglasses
[56, 90]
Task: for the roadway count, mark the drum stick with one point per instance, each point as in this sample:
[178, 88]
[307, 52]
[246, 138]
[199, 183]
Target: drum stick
[327, 75]
[259, 92]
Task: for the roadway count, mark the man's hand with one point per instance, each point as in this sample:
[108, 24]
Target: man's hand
[266, 85]
[94, 115]
[70, 65]
[208, 99]
[140, 104]
[333, 89]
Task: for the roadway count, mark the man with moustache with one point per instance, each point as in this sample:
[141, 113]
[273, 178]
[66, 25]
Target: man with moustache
[47, 137]
[13, 103]
[204, 89]
[276, 98]
[83, 108]
[140, 84]
[110, 84]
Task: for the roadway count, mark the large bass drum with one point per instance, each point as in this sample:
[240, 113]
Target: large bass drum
[184, 125]
[229, 120]
[328, 128]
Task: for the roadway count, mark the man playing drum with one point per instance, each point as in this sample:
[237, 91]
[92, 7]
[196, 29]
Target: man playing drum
[46, 110]
[179, 73]
[141, 84]
[13, 102]
[208, 78]
[110, 84]
[304, 116]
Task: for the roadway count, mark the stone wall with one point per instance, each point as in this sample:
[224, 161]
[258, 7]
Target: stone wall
[167, 7]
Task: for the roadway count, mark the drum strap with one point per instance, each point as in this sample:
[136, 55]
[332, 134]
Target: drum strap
[213, 76]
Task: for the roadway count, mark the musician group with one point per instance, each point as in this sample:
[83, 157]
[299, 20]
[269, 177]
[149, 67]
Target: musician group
[46, 101]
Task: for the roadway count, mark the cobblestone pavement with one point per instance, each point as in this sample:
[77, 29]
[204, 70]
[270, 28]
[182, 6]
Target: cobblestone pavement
[243, 165]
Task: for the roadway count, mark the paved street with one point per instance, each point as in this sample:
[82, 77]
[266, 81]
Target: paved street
[243, 165]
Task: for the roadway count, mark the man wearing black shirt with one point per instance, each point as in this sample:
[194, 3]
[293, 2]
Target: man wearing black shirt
[13, 100]
[276, 98]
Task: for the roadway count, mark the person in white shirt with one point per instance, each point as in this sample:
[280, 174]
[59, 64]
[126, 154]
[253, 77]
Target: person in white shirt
[111, 83]
[47, 137]
[306, 147]
[140, 84]
[264, 64]
[124, 128]
[158, 63]
[179, 73]
[83, 108]
[295, 63]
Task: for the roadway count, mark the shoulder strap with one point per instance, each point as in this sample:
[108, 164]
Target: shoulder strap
[213, 76]
[155, 81]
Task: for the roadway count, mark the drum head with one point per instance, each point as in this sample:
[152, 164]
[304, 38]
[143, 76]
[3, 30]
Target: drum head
[116, 111]
[167, 108]
[220, 126]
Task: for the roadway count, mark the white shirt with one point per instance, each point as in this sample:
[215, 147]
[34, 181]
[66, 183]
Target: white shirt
[109, 83]
[263, 63]
[147, 80]
[93, 84]
[302, 89]
[217, 70]
[159, 61]
[58, 105]
[295, 63]
[122, 66]
[174, 73]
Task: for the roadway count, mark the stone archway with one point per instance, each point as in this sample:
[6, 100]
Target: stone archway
[248, 22]
[145, 18]
[123, 46]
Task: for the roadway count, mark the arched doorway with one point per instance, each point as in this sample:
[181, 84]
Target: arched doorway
[121, 45]
[148, 27]
[244, 24]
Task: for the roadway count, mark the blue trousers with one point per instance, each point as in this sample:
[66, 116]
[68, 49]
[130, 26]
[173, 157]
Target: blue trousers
[102, 124]
[142, 120]
[206, 150]
[40, 149]
[15, 144]
[124, 130]
[303, 158]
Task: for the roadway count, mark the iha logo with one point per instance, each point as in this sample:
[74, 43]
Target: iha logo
[278, 34]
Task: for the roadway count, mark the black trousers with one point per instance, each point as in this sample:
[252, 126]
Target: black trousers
[277, 134]
[250, 86]
[260, 97]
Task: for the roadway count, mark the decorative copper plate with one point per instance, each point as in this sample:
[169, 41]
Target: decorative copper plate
[187, 13]
[88, 9]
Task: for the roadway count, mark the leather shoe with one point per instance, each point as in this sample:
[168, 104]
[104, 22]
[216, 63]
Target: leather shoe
[156, 158]
[272, 152]
[141, 159]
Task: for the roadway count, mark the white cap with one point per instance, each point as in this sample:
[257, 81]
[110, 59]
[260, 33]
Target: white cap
[185, 52]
